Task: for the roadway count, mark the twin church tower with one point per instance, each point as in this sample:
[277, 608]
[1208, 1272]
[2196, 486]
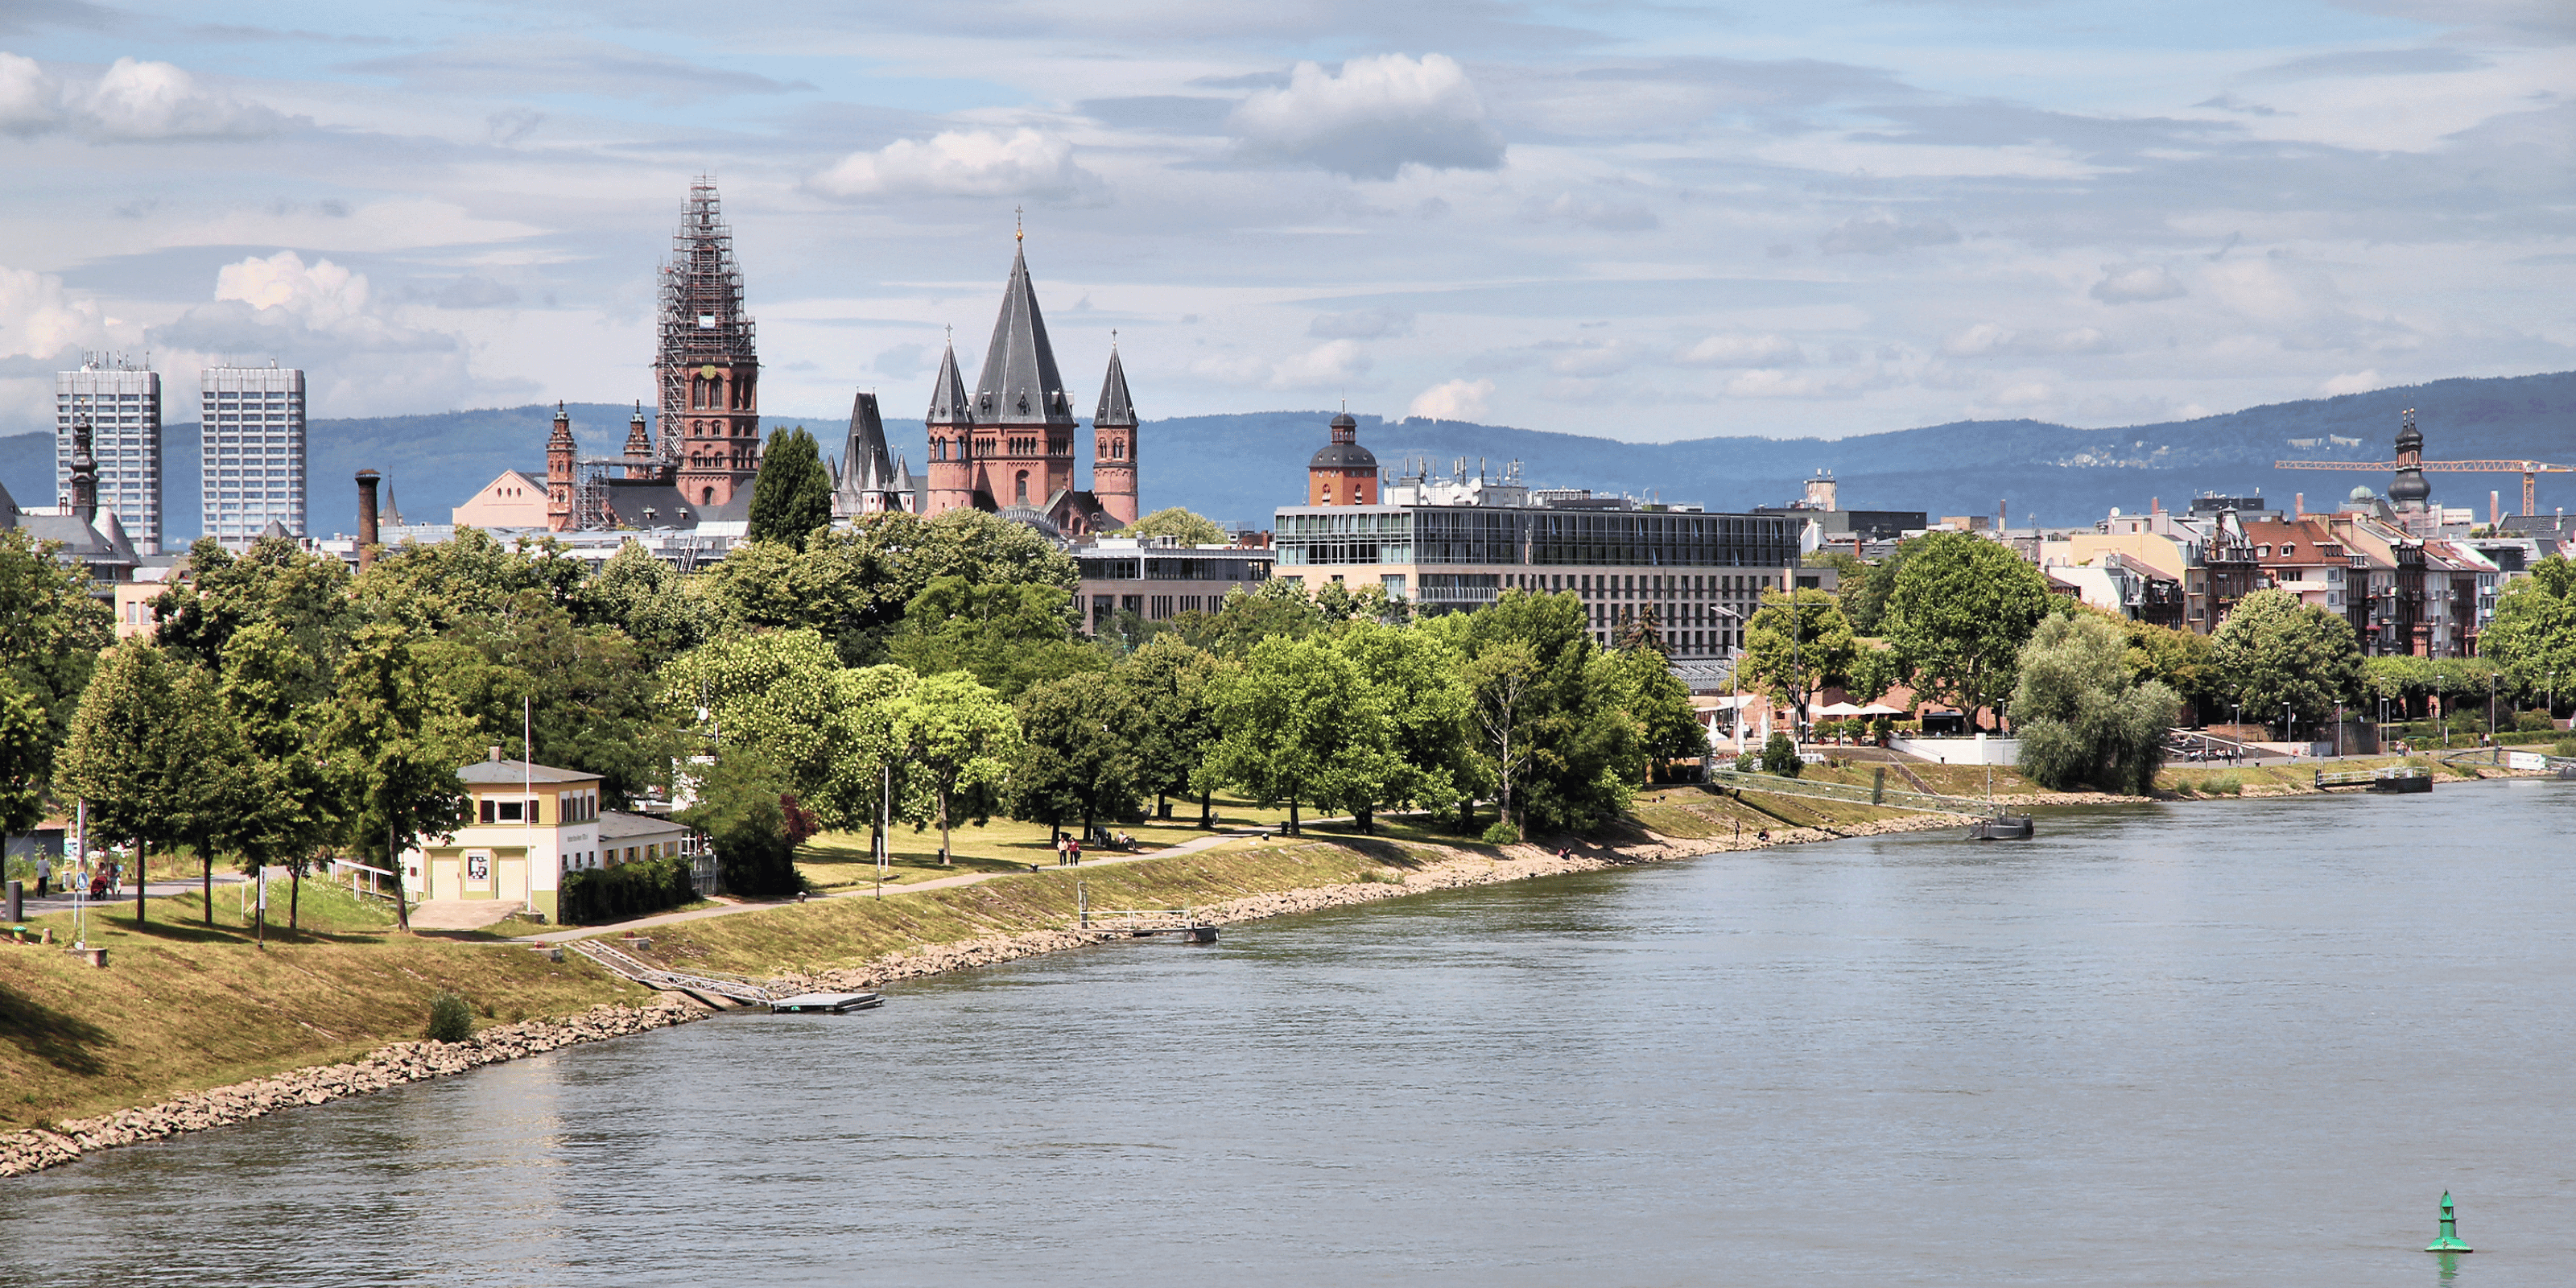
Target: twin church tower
[1007, 447]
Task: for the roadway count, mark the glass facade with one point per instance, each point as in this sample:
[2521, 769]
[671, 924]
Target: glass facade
[1534, 537]
[253, 453]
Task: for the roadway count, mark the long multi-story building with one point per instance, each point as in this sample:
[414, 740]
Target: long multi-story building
[252, 453]
[1461, 543]
[121, 404]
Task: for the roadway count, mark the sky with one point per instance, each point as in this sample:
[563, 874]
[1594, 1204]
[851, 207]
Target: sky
[1645, 221]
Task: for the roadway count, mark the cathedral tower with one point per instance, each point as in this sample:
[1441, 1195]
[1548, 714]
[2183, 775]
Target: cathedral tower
[1024, 423]
[708, 366]
[951, 422]
[560, 453]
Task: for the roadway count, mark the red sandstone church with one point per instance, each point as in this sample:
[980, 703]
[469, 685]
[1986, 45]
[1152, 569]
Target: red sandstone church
[1007, 448]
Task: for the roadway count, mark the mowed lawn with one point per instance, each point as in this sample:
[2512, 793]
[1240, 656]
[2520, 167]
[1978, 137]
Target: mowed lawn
[843, 860]
[182, 1006]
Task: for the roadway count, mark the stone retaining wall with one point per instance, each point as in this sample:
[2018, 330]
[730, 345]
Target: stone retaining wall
[390, 1066]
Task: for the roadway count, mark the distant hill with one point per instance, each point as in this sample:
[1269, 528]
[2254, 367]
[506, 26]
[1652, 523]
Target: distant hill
[1241, 467]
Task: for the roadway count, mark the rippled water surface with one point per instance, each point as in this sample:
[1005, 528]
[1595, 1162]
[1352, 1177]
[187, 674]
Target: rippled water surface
[2225, 1043]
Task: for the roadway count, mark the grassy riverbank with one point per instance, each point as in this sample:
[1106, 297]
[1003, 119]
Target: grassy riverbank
[182, 1006]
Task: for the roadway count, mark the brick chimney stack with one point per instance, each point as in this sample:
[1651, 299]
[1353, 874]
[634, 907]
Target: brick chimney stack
[369, 536]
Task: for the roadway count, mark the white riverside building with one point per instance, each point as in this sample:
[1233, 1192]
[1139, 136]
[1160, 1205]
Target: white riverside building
[252, 453]
[122, 403]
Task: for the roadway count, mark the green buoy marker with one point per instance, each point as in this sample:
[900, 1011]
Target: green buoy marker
[2450, 1240]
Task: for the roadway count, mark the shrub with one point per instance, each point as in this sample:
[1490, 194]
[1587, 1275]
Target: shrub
[2566, 746]
[1748, 762]
[1502, 833]
[596, 895]
[2532, 722]
[1780, 756]
[450, 1019]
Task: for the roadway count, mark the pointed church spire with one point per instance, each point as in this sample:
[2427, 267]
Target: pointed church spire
[864, 454]
[1116, 408]
[948, 405]
[1019, 384]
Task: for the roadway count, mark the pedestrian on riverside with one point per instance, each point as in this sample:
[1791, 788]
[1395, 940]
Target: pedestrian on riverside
[1059, 849]
[44, 873]
[1074, 848]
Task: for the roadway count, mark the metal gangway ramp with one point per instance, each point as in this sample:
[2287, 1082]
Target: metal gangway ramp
[1879, 794]
[618, 961]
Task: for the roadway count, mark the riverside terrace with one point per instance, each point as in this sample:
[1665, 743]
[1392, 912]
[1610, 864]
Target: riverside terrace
[1703, 573]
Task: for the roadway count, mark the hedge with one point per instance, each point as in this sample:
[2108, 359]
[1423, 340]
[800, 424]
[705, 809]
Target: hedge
[598, 895]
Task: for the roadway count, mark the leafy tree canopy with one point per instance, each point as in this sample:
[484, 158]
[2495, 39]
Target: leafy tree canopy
[1174, 521]
[1960, 610]
[2533, 636]
[2082, 719]
[2274, 649]
[304, 594]
[1798, 642]
[428, 588]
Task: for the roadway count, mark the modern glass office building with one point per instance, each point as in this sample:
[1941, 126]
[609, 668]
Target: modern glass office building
[253, 452]
[122, 404]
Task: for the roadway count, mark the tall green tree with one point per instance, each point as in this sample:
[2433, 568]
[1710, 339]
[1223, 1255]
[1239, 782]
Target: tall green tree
[2275, 651]
[1176, 521]
[583, 697]
[1960, 611]
[1584, 757]
[958, 736]
[1417, 681]
[1078, 756]
[210, 774]
[393, 744]
[1864, 599]
[1278, 607]
[2178, 657]
[1171, 684]
[1300, 726]
[26, 759]
[303, 594]
[792, 495]
[120, 755]
[2533, 636]
[1798, 642]
[748, 810]
[2082, 716]
[52, 631]
[288, 807]
[1660, 704]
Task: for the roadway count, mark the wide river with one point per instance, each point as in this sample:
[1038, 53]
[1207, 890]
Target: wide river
[2244, 1042]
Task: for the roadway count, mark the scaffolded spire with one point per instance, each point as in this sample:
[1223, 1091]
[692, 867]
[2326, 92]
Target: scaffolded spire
[702, 319]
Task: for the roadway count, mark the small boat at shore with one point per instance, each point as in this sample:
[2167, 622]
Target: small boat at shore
[2001, 827]
[825, 1003]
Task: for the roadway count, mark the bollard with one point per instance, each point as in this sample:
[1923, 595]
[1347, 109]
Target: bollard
[2450, 1238]
[17, 903]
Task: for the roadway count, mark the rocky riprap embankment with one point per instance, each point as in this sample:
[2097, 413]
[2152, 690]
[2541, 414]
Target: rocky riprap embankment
[1460, 869]
[390, 1066]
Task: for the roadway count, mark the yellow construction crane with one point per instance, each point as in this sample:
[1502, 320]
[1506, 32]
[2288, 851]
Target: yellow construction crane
[2409, 445]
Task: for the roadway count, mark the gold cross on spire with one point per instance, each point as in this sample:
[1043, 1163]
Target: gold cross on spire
[1018, 233]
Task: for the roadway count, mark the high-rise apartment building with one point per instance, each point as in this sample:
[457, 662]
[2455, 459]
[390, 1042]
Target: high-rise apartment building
[253, 452]
[122, 404]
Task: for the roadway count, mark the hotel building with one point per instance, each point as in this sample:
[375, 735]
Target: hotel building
[252, 453]
[122, 404]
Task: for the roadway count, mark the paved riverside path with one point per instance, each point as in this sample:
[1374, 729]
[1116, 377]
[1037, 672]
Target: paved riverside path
[942, 883]
[60, 900]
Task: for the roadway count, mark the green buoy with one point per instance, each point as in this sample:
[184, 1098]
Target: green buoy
[2450, 1240]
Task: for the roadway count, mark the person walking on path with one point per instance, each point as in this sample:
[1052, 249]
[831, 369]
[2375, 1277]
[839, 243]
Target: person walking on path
[1074, 848]
[44, 873]
[1060, 843]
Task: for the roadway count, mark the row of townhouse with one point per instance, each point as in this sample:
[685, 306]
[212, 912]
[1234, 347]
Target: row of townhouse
[2403, 592]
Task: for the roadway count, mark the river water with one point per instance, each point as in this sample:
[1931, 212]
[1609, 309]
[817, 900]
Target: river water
[2224, 1043]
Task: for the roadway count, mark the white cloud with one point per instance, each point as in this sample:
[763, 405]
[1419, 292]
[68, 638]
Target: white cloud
[1742, 351]
[139, 101]
[322, 295]
[1332, 363]
[2135, 284]
[1377, 116]
[962, 163]
[1591, 360]
[38, 319]
[1454, 400]
[30, 101]
[2358, 382]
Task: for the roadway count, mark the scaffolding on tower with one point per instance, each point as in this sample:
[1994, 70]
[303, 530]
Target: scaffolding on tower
[702, 317]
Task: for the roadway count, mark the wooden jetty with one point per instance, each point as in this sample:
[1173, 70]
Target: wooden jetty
[2394, 779]
[825, 1003]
